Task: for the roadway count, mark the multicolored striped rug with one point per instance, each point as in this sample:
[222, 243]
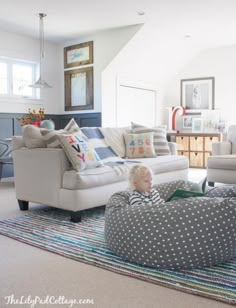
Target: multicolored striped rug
[51, 229]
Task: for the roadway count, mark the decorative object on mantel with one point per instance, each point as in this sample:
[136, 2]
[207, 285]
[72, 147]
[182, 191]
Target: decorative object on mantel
[40, 83]
[181, 110]
[197, 125]
[33, 117]
[48, 124]
[212, 122]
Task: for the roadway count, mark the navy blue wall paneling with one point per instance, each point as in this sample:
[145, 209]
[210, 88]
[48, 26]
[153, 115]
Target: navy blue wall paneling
[10, 126]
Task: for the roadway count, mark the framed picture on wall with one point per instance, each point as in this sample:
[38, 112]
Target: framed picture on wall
[197, 94]
[187, 122]
[79, 89]
[77, 55]
[197, 125]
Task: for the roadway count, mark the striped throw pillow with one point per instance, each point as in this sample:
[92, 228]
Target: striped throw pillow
[159, 139]
[50, 136]
[96, 137]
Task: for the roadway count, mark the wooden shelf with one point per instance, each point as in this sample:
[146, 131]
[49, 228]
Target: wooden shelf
[196, 146]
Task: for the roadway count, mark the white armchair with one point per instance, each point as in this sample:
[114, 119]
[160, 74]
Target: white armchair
[221, 166]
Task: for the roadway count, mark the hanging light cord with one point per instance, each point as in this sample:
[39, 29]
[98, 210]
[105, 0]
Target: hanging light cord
[41, 36]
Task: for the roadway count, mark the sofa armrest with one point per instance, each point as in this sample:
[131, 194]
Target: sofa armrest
[173, 148]
[38, 174]
[221, 148]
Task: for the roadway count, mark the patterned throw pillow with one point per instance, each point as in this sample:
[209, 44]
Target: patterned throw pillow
[160, 142]
[51, 136]
[79, 152]
[96, 137]
[139, 145]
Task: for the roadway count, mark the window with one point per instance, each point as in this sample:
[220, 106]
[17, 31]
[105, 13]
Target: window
[15, 78]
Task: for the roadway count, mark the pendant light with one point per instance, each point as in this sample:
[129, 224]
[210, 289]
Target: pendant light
[40, 83]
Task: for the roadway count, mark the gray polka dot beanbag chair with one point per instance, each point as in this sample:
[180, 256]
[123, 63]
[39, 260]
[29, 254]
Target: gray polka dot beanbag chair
[180, 234]
[224, 191]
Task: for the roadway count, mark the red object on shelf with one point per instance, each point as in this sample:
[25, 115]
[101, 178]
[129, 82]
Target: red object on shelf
[37, 123]
[182, 111]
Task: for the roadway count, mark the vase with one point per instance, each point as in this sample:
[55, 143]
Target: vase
[36, 123]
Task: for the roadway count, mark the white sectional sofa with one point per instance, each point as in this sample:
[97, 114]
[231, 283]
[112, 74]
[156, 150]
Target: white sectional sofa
[45, 175]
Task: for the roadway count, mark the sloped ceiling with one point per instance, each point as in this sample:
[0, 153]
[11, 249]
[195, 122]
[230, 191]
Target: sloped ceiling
[210, 23]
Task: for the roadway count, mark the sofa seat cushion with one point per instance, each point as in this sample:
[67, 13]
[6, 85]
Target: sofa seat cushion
[106, 175]
[163, 164]
[226, 162]
[89, 178]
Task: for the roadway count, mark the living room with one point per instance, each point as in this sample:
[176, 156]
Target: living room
[153, 46]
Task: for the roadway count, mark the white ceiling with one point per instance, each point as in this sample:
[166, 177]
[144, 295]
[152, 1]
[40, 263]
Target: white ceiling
[211, 22]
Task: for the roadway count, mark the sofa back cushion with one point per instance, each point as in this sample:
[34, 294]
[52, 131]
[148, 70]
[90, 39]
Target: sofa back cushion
[96, 137]
[231, 136]
[114, 136]
[159, 139]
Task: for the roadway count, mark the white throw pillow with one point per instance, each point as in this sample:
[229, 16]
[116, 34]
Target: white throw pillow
[32, 137]
[139, 145]
[79, 151]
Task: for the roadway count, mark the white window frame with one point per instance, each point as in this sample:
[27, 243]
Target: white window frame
[10, 62]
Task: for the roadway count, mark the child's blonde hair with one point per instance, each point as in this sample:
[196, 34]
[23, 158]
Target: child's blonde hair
[136, 172]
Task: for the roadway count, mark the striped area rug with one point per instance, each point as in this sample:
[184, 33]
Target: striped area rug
[51, 229]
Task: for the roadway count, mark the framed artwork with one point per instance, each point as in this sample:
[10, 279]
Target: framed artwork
[197, 125]
[198, 93]
[77, 55]
[79, 89]
[187, 122]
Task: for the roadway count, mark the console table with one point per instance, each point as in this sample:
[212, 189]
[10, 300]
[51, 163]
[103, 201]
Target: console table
[196, 146]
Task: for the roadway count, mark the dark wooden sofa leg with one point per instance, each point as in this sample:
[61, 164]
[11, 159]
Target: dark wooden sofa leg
[211, 184]
[76, 216]
[24, 205]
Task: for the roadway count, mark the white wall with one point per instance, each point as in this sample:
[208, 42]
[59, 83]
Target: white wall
[136, 53]
[107, 44]
[219, 63]
[25, 48]
[149, 58]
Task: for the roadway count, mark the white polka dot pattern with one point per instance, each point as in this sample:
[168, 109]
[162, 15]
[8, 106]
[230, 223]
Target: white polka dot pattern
[181, 234]
[223, 191]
